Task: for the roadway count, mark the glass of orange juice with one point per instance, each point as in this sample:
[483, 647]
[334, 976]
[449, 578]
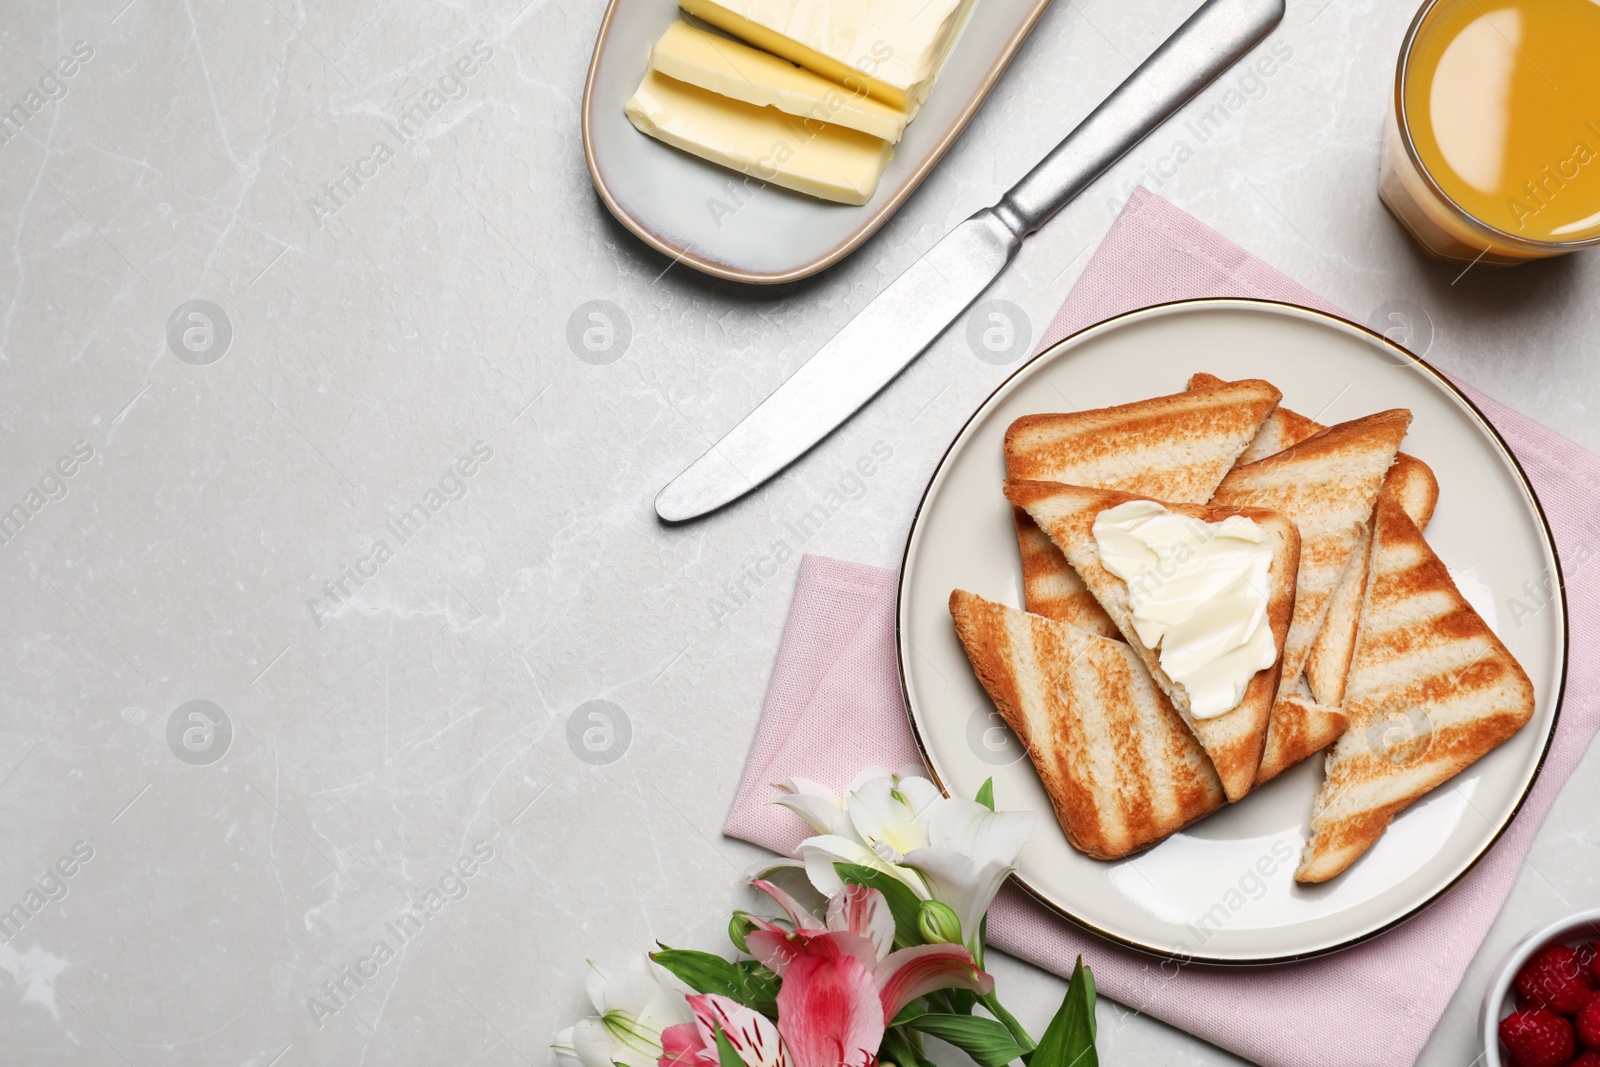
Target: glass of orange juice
[1492, 148]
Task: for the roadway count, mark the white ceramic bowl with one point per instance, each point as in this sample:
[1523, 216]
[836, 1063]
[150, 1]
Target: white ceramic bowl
[1500, 998]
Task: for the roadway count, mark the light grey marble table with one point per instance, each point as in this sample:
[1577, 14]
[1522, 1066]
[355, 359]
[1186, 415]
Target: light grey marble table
[373, 723]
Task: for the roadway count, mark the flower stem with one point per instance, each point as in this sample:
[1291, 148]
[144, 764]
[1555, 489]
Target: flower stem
[898, 1048]
[992, 1002]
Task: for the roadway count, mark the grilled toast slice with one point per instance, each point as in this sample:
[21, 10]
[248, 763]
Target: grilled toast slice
[1411, 483]
[1122, 770]
[1234, 739]
[1431, 691]
[1326, 484]
[1173, 448]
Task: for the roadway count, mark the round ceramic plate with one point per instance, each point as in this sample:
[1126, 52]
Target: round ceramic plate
[1223, 891]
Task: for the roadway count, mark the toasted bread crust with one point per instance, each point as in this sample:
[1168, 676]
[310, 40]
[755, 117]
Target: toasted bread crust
[1175, 447]
[1120, 767]
[1234, 740]
[1431, 691]
[1414, 487]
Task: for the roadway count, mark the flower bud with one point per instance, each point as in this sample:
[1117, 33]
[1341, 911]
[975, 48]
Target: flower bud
[938, 924]
[738, 928]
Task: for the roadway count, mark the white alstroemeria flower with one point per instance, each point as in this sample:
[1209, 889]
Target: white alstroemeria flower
[822, 808]
[839, 838]
[955, 851]
[819, 806]
[970, 852]
[883, 817]
[819, 854]
[634, 1006]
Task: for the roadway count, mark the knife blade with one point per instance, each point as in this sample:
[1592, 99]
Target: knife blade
[914, 309]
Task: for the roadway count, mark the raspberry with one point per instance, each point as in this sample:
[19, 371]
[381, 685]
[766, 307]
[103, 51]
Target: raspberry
[1538, 1037]
[1588, 1022]
[1551, 980]
[1590, 968]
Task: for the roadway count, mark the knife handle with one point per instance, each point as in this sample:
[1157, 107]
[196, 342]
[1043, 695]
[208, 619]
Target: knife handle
[1211, 41]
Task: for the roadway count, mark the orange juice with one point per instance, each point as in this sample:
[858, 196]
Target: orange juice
[1494, 149]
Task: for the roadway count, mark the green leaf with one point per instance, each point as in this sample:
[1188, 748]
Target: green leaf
[986, 1041]
[1087, 997]
[986, 794]
[745, 981]
[1069, 1039]
[725, 1053]
[903, 903]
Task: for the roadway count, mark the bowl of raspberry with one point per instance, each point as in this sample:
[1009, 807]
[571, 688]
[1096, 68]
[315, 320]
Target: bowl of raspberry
[1542, 1008]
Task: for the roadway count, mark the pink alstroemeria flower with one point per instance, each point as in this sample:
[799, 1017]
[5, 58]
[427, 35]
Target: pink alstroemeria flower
[841, 987]
[841, 983]
[694, 1044]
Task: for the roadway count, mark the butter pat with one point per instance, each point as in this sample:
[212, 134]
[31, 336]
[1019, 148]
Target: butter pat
[817, 158]
[892, 48]
[740, 72]
[1198, 591]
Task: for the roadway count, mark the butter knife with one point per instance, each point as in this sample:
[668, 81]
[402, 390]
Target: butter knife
[915, 308]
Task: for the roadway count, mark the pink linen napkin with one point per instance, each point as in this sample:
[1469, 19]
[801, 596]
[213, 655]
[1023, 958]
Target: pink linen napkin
[834, 705]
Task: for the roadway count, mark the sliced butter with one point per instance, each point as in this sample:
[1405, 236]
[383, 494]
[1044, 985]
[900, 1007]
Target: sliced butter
[743, 73]
[812, 157]
[892, 48]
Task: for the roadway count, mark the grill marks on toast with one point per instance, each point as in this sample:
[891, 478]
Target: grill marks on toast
[1326, 484]
[1175, 448]
[1431, 690]
[1121, 768]
[1411, 484]
[1051, 587]
[1234, 740]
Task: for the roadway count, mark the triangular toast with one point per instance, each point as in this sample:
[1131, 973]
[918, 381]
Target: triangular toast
[1411, 484]
[1431, 691]
[1233, 740]
[1326, 484]
[1122, 770]
[1173, 448]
